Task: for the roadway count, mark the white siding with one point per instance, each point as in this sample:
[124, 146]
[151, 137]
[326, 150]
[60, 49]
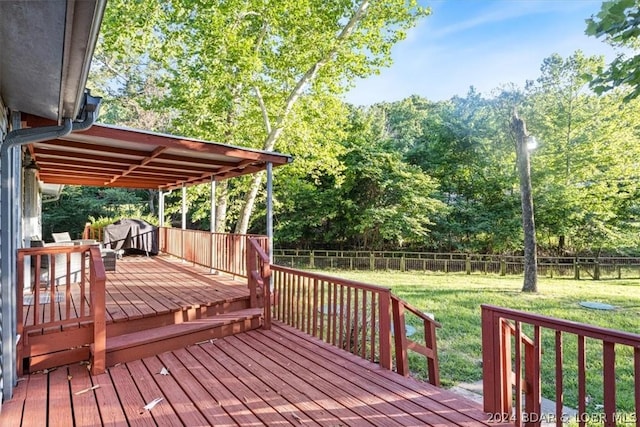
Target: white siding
[3, 133]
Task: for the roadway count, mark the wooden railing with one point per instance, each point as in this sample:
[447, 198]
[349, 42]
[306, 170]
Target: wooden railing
[512, 360]
[354, 316]
[63, 298]
[218, 251]
[402, 343]
[259, 278]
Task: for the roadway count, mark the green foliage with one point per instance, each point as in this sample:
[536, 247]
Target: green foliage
[584, 170]
[465, 146]
[371, 198]
[246, 73]
[428, 175]
[79, 205]
[619, 23]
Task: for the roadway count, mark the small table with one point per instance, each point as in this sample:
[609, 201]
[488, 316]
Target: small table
[109, 257]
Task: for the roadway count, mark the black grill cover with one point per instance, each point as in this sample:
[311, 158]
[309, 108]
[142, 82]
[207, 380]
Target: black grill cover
[132, 234]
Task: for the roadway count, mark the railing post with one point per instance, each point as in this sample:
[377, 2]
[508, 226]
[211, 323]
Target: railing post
[251, 281]
[98, 279]
[266, 291]
[400, 338]
[433, 366]
[384, 317]
[492, 377]
[505, 366]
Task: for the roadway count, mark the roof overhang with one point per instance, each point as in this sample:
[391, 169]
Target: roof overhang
[109, 156]
[46, 48]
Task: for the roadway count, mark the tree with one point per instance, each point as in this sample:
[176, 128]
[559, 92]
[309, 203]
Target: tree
[236, 71]
[386, 202]
[465, 145]
[619, 22]
[77, 204]
[584, 166]
[528, 218]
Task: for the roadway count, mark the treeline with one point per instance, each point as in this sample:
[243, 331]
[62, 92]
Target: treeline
[441, 176]
[437, 176]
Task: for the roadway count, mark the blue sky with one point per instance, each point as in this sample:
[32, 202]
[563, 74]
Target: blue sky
[481, 43]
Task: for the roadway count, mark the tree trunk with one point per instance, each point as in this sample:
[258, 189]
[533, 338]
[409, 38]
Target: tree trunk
[274, 133]
[249, 201]
[528, 222]
[152, 198]
[221, 206]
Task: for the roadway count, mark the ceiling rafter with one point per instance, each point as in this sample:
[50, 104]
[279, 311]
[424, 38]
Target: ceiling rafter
[117, 157]
[156, 152]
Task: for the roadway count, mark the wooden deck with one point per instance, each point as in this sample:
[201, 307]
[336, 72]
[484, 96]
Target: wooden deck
[146, 287]
[144, 294]
[276, 377]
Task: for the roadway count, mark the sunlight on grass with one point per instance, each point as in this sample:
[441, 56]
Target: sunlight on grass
[455, 301]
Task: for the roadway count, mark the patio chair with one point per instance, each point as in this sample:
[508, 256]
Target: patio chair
[60, 274]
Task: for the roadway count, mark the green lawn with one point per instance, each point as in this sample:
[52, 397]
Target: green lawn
[455, 301]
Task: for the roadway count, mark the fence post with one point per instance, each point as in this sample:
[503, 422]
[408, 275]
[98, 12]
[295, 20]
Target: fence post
[402, 263]
[312, 261]
[467, 264]
[503, 266]
[576, 269]
[372, 262]
[596, 269]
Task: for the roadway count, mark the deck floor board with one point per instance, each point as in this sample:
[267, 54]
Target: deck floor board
[292, 411]
[83, 399]
[437, 400]
[190, 414]
[146, 287]
[276, 377]
[60, 401]
[336, 388]
[402, 410]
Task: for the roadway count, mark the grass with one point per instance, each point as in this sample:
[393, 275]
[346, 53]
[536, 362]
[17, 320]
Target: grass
[455, 301]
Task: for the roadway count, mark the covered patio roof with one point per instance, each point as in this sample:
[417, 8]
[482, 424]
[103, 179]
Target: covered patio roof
[109, 156]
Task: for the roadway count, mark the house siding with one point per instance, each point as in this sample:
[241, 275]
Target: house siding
[4, 125]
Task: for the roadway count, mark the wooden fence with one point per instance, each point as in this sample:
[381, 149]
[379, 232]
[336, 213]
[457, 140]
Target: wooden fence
[596, 268]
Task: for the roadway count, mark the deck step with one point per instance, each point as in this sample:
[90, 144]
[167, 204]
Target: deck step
[149, 342]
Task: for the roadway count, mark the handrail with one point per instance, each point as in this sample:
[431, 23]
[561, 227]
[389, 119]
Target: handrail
[352, 315]
[502, 326]
[402, 343]
[589, 331]
[66, 278]
[320, 276]
[259, 278]
[218, 251]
